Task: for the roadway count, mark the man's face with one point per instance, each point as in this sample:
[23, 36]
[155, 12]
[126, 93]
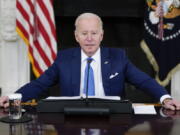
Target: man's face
[89, 35]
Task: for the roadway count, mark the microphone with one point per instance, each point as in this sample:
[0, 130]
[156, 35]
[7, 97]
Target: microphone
[89, 60]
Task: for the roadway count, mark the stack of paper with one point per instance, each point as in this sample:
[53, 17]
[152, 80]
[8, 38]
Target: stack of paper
[144, 109]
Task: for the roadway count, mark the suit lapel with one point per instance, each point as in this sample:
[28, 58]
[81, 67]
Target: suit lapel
[76, 68]
[106, 70]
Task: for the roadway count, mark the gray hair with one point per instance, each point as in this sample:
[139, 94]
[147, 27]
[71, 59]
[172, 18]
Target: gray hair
[88, 15]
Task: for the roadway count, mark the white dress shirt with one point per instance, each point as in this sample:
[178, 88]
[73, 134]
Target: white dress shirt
[96, 66]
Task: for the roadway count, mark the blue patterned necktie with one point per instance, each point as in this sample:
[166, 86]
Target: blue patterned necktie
[89, 87]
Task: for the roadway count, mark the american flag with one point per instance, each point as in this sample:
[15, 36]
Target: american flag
[36, 26]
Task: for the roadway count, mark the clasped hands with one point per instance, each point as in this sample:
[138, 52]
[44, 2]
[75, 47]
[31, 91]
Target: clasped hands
[171, 104]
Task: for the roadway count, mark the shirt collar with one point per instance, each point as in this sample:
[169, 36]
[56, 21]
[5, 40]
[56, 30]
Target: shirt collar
[95, 57]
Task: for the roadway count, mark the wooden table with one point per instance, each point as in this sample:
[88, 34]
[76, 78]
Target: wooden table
[122, 124]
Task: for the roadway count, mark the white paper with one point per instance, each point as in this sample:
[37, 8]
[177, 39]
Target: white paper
[144, 109]
[62, 98]
[105, 97]
[82, 97]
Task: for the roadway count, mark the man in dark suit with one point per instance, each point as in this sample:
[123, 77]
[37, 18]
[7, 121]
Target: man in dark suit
[110, 69]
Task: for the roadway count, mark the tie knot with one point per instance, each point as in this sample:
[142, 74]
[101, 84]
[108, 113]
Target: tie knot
[89, 60]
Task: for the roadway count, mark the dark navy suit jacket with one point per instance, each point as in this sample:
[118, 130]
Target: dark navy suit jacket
[66, 71]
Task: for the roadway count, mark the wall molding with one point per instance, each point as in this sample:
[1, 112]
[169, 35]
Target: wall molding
[14, 64]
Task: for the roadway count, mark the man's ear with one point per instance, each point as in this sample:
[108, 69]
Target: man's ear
[75, 35]
[102, 35]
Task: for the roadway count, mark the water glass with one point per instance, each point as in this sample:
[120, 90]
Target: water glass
[15, 106]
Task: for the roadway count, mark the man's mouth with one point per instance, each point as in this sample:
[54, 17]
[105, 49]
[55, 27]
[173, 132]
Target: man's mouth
[89, 45]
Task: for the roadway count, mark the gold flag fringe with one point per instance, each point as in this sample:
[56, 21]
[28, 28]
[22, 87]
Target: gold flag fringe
[153, 62]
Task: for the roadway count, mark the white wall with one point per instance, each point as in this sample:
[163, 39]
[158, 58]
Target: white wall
[14, 64]
[175, 86]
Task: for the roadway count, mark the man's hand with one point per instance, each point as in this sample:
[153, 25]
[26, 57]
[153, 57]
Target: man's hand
[171, 104]
[4, 101]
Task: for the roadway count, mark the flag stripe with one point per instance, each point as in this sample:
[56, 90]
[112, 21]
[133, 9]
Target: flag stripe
[46, 37]
[46, 27]
[32, 49]
[24, 18]
[35, 63]
[36, 44]
[35, 24]
[48, 16]
[19, 25]
[42, 53]
[43, 45]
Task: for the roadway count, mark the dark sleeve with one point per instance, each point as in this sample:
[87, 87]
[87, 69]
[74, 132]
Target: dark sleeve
[142, 81]
[41, 84]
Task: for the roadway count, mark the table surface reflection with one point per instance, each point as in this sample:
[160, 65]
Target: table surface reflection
[165, 123]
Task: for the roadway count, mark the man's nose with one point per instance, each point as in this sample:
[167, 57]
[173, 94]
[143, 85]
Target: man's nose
[89, 37]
